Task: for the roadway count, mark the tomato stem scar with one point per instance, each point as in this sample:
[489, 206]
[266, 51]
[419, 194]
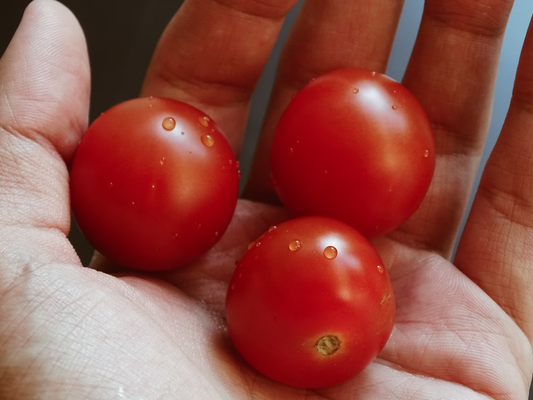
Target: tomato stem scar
[328, 345]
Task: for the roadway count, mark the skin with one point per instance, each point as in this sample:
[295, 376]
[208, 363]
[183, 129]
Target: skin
[463, 330]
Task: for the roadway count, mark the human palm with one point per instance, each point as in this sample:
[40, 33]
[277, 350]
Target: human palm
[462, 331]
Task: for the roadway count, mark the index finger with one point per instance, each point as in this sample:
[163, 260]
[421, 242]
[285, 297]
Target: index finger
[212, 54]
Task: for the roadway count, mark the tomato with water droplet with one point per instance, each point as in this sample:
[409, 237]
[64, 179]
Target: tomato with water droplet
[369, 140]
[312, 306]
[138, 183]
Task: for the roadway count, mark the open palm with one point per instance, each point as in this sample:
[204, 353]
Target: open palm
[463, 331]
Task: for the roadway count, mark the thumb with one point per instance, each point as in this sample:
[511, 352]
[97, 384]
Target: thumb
[44, 102]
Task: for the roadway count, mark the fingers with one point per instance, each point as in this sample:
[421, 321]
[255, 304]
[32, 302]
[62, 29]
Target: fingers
[452, 72]
[44, 102]
[496, 249]
[326, 36]
[212, 54]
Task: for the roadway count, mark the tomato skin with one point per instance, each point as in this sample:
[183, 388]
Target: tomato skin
[281, 302]
[150, 198]
[357, 146]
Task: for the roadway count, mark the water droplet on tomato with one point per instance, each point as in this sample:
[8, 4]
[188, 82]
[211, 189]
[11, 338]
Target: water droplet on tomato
[175, 236]
[272, 228]
[373, 73]
[169, 123]
[239, 174]
[380, 269]
[251, 244]
[110, 185]
[162, 161]
[356, 90]
[237, 164]
[395, 107]
[151, 97]
[204, 121]
[132, 203]
[153, 186]
[208, 140]
[426, 153]
[330, 252]
[295, 245]
[291, 150]
[183, 133]
[258, 244]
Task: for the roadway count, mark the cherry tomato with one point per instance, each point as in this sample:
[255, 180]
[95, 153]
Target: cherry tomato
[154, 184]
[354, 145]
[310, 304]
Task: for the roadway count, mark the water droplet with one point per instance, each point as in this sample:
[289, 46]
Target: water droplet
[132, 203]
[153, 186]
[110, 185]
[183, 133]
[373, 73]
[330, 252]
[101, 114]
[162, 161]
[312, 79]
[380, 269]
[251, 244]
[240, 275]
[356, 90]
[295, 245]
[258, 244]
[230, 161]
[208, 140]
[239, 174]
[325, 172]
[204, 121]
[151, 97]
[390, 190]
[272, 228]
[237, 164]
[292, 150]
[426, 153]
[150, 106]
[395, 107]
[214, 239]
[175, 236]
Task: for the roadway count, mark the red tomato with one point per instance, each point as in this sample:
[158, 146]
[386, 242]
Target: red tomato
[154, 184]
[310, 304]
[357, 146]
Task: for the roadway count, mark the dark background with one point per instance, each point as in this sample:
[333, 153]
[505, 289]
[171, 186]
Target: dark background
[122, 34]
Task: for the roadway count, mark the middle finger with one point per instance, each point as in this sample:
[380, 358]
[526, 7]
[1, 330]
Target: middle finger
[327, 35]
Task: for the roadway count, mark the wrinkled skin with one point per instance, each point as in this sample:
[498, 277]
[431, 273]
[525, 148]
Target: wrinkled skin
[463, 330]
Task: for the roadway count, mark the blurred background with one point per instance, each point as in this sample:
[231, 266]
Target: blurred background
[122, 34]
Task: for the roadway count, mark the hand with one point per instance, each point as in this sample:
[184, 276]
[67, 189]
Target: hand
[463, 331]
